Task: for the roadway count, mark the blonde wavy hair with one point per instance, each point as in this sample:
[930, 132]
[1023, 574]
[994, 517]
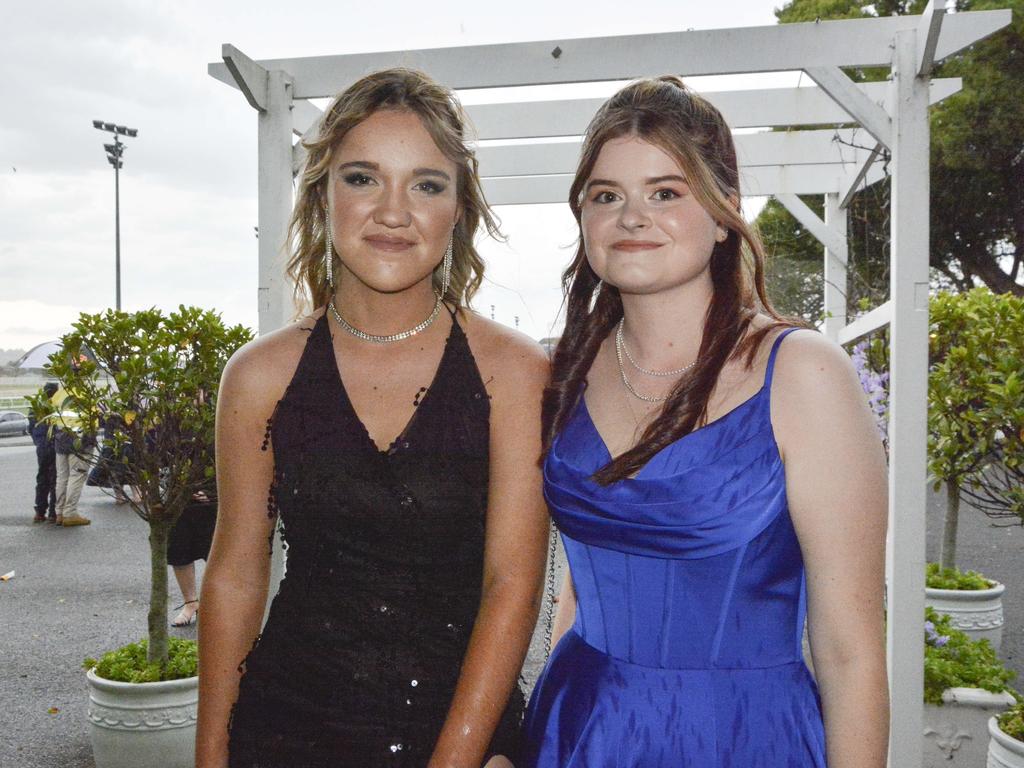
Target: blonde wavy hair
[443, 118]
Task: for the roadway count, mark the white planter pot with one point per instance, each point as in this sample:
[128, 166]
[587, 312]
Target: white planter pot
[978, 612]
[956, 733]
[143, 724]
[1003, 752]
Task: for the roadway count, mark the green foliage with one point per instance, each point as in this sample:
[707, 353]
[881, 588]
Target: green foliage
[153, 378]
[960, 662]
[977, 166]
[40, 405]
[976, 398]
[976, 160]
[1011, 722]
[786, 241]
[158, 375]
[795, 287]
[937, 577]
[130, 664]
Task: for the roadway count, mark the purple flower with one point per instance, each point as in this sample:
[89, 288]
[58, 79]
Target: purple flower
[874, 386]
[932, 637]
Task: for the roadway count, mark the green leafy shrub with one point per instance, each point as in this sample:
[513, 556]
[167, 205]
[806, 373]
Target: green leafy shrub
[130, 665]
[1011, 722]
[158, 375]
[954, 660]
[40, 405]
[953, 578]
[976, 399]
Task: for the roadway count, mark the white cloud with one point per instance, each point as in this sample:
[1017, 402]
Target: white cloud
[188, 201]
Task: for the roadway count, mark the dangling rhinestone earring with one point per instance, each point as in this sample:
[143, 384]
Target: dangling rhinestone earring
[328, 256]
[446, 267]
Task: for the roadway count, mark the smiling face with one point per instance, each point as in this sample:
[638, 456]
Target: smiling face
[643, 230]
[393, 202]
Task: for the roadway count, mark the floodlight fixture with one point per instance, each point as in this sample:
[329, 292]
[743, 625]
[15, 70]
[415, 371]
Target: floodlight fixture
[115, 152]
[114, 128]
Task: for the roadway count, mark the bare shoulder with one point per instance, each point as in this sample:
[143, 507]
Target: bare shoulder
[260, 371]
[814, 384]
[807, 360]
[505, 357]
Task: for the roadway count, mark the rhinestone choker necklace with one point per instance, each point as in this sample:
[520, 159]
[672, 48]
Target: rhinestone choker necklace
[391, 337]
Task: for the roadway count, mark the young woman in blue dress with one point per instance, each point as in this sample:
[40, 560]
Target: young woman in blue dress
[716, 476]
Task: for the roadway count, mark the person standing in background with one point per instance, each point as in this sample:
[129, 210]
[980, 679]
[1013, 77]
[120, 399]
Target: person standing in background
[46, 460]
[190, 541]
[74, 444]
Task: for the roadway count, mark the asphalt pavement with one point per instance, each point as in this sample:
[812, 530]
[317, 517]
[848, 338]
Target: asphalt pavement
[80, 591]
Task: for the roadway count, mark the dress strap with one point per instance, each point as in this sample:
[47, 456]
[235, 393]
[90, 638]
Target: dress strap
[771, 356]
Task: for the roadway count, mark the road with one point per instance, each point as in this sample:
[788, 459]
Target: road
[80, 591]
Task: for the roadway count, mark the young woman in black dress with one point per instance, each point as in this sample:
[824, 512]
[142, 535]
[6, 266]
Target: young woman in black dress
[398, 434]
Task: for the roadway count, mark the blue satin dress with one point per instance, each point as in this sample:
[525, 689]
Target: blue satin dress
[690, 606]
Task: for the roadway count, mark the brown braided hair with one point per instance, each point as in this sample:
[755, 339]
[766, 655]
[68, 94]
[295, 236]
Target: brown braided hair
[665, 113]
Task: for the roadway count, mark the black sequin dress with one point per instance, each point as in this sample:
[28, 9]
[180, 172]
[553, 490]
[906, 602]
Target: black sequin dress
[359, 658]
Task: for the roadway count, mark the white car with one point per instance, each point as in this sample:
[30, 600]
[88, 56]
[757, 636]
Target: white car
[13, 423]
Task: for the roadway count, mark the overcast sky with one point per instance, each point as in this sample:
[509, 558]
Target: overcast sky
[188, 186]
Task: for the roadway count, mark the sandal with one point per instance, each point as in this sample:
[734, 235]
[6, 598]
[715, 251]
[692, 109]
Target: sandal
[180, 620]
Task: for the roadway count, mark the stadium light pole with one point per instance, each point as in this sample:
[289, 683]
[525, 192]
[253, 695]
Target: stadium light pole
[114, 153]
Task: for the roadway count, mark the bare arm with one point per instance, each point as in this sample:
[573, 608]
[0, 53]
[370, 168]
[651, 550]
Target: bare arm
[235, 583]
[822, 420]
[514, 558]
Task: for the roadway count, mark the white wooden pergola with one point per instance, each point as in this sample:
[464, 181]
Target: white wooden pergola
[886, 118]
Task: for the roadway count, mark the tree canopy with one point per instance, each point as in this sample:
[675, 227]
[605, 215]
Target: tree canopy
[150, 380]
[977, 168]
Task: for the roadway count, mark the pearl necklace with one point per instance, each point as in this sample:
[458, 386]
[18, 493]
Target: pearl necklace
[620, 341]
[391, 337]
[620, 347]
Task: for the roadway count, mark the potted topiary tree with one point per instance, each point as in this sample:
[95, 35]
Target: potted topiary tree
[159, 374]
[964, 685]
[1006, 745]
[975, 441]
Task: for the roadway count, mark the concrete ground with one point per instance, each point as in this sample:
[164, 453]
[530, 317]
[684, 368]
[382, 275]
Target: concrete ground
[77, 592]
[81, 591]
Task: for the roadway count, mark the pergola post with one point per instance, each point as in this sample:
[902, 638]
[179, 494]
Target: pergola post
[908, 402]
[835, 268]
[275, 201]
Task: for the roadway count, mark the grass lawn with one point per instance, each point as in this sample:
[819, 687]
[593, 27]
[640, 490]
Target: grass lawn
[13, 389]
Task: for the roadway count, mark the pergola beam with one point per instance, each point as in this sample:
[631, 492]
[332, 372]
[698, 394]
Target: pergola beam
[836, 84]
[928, 35]
[792, 148]
[754, 182]
[782, 47]
[833, 240]
[962, 30]
[246, 75]
[879, 317]
[859, 177]
[764, 108]
[305, 116]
